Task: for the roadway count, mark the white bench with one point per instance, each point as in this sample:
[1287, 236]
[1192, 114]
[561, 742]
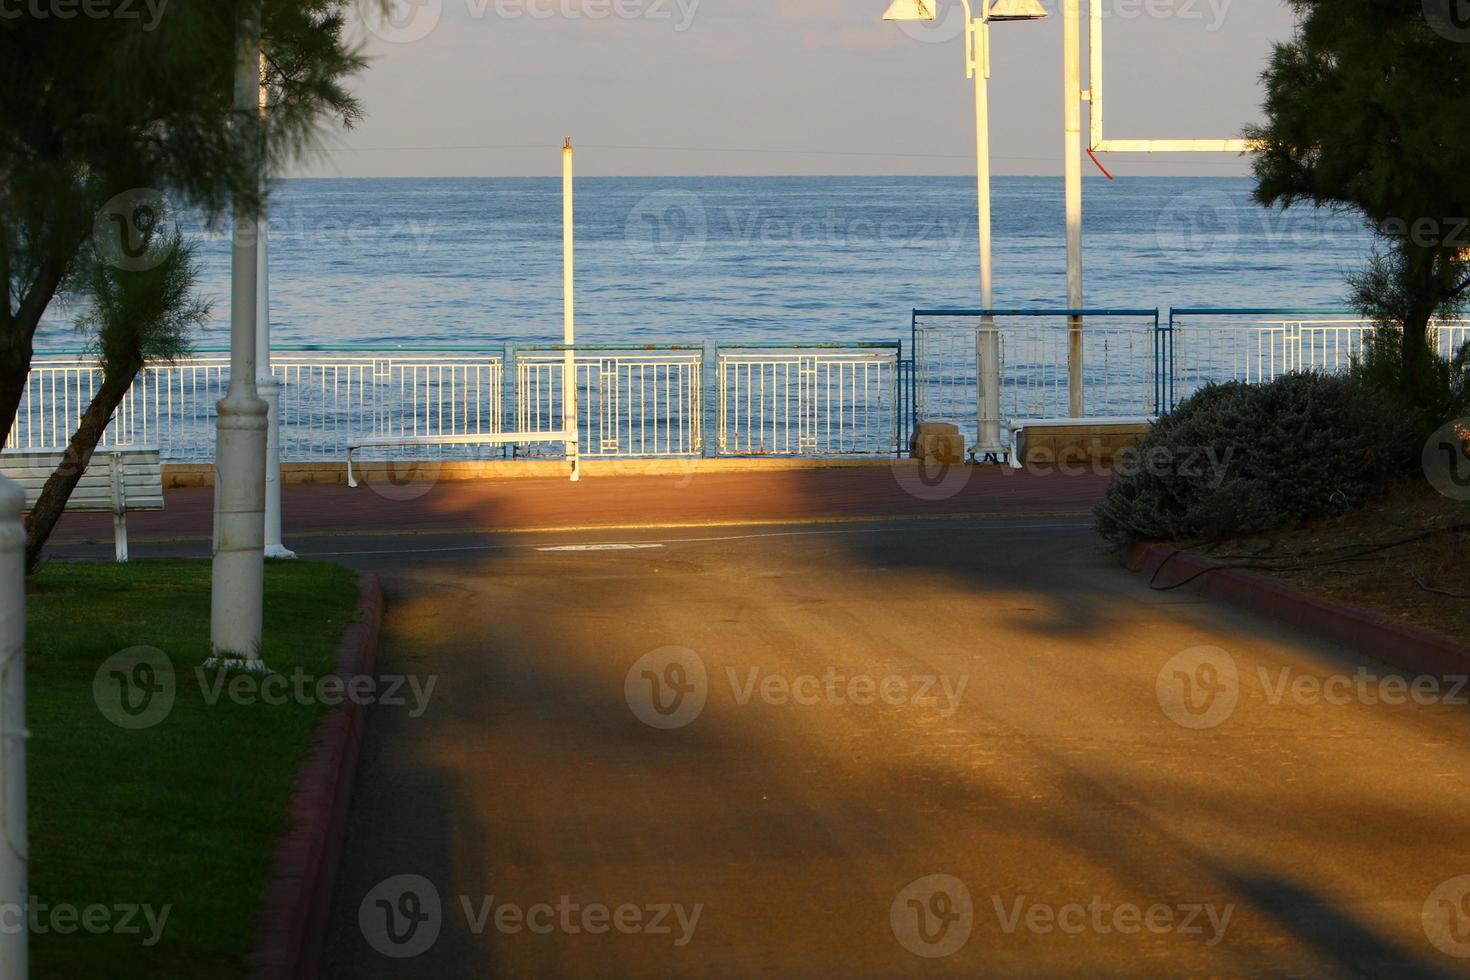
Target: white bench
[1019, 428]
[115, 482]
[466, 439]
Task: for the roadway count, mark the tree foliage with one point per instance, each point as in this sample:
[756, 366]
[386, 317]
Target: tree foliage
[1368, 110]
[93, 107]
[138, 317]
[134, 317]
[106, 120]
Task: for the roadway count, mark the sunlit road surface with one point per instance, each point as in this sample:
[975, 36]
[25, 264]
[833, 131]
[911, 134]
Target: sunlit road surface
[852, 710]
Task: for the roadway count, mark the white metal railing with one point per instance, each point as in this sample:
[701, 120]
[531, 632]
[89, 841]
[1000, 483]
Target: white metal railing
[631, 401]
[646, 401]
[817, 400]
[796, 400]
[1207, 346]
[1119, 356]
[328, 398]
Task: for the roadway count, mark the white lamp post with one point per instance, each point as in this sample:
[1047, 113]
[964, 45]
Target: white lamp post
[239, 560]
[270, 392]
[977, 66]
[265, 378]
[1072, 171]
[569, 410]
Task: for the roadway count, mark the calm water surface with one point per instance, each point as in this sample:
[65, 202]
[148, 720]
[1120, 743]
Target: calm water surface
[471, 261]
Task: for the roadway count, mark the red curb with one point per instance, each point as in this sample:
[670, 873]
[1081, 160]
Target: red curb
[1358, 630]
[288, 939]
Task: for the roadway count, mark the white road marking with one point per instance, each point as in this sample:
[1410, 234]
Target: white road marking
[602, 547]
[823, 532]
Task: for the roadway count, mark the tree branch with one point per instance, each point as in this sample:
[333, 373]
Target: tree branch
[40, 294]
[5, 311]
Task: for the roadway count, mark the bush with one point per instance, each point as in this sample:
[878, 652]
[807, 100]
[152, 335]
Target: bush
[1437, 394]
[1238, 458]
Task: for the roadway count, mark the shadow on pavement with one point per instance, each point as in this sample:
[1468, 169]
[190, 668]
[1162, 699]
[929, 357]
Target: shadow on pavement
[795, 827]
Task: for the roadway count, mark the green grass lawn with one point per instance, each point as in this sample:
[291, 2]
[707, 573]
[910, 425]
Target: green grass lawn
[186, 813]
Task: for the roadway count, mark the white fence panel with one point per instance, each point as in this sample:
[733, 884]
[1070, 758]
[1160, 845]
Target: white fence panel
[809, 401]
[1256, 346]
[1119, 357]
[633, 402]
[327, 398]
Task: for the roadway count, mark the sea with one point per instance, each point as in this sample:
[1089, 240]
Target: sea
[412, 263]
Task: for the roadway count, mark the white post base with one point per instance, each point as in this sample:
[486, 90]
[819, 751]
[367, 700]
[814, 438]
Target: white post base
[120, 537]
[239, 560]
[241, 664]
[987, 362]
[14, 835]
[270, 391]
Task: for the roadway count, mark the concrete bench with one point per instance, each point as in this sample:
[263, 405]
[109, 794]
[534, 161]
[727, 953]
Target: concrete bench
[1113, 433]
[115, 482]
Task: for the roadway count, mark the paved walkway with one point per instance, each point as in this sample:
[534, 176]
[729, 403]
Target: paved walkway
[904, 743]
[992, 702]
[417, 503]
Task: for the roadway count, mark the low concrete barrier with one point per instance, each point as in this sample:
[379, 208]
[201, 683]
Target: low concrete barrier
[177, 476]
[1077, 441]
[938, 444]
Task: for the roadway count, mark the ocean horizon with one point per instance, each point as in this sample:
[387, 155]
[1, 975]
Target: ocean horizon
[400, 262]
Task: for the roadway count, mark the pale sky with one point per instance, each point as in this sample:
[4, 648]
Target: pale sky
[677, 87]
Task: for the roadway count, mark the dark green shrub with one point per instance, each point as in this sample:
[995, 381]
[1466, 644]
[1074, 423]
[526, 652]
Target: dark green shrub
[1238, 458]
[1437, 394]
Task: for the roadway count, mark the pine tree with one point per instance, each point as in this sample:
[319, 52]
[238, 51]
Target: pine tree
[1368, 111]
[96, 107]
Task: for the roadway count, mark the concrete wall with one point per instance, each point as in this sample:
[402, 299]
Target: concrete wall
[1080, 443]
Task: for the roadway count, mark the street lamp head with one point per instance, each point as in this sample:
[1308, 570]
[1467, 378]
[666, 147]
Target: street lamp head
[1017, 10]
[912, 10]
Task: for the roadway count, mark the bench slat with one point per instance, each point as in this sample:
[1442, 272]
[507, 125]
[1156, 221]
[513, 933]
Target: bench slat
[126, 452]
[92, 475]
[140, 471]
[40, 475]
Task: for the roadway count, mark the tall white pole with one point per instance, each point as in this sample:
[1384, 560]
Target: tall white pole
[265, 378]
[270, 393]
[15, 849]
[987, 353]
[239, 559]
[1072, 154]
[569, 314]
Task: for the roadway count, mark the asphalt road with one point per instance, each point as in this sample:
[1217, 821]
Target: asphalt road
[414, 501]
[747, 751]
